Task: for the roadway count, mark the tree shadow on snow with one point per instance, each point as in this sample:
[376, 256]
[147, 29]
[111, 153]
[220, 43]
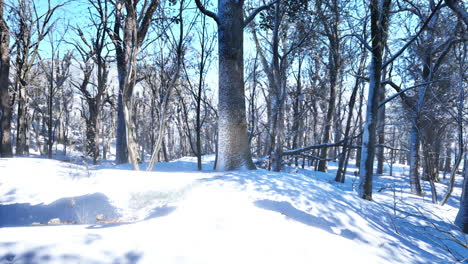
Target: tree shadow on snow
[286, 209]
[42, 254]
[79, 210]
[296, 187]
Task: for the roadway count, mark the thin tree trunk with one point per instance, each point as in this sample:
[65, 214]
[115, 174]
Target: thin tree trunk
[381, 133]
[22, 138]
[462, 217]
[50, 102]
[342, 163]
[460, 147]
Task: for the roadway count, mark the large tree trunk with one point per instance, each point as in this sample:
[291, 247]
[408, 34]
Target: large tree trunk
[233, 146]
[127, 77]
[379, 27]
[129, 80]
[5, 100]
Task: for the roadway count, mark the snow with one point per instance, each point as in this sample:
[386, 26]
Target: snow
[176, 214]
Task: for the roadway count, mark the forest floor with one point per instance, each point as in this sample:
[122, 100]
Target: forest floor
[63, 212]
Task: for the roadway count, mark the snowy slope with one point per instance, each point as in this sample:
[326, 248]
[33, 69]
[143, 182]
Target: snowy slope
[179, 215]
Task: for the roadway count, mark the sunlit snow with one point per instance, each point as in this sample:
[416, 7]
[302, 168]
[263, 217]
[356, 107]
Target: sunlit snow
[178, 215]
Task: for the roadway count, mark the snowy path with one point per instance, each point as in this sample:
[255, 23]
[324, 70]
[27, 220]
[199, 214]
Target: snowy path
[178, 215]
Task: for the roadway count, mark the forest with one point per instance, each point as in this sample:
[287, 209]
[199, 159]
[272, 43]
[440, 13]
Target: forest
[368, 97]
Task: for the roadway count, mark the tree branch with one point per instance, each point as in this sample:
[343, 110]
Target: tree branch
[207, 12]
[256, 11]
[400, 92]
[396, 55]
[146, 21]
[363, 41]
[458, 9]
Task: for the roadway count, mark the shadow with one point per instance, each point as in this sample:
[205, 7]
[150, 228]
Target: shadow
[286, 209]
[161, 211]
[8, 197]
[79, 210]
[7, 258]
[132, 257]
[109, 225]
[40, 255]
[31, 256]
[314, 190]
[187, 164]
[155, 213]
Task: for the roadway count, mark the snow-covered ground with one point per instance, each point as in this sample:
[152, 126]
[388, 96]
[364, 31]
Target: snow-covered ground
[178, 215]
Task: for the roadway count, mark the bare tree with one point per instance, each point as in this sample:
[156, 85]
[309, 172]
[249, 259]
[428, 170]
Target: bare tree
[57, 72]
[132, 21]
[31, 29]
[93, 63]
[380, 12]
[176, 72]
[331, 23]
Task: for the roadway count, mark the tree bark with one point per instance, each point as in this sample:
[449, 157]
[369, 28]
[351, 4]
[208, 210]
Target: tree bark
[379, 27]
[5, 99]
[381, 133]
[414, 160]
[121, 139]
[135, 27]
[233, 146]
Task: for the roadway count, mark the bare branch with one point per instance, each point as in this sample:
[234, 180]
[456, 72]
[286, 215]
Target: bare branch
[423, 27]
[458, 9]
[400, 92]
[146, 21]
[256, 11]
[207, 12]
